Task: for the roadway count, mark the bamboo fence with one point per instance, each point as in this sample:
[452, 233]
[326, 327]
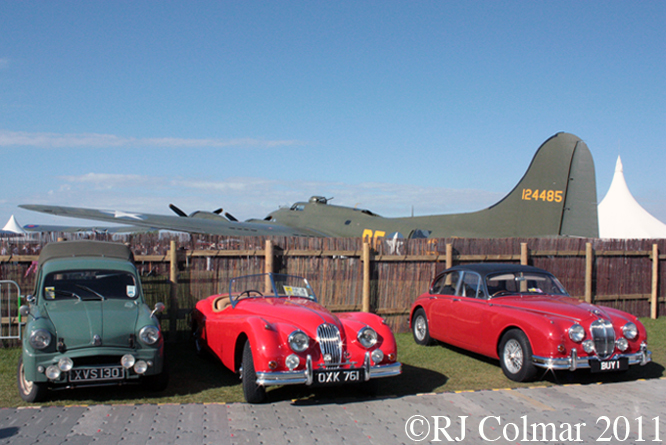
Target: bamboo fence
[621, 273]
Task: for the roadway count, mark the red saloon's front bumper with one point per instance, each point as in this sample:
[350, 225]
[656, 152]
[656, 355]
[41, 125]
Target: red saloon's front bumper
[573, 362]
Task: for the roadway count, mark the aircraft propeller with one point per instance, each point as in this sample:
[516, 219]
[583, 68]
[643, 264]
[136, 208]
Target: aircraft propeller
[178, 211]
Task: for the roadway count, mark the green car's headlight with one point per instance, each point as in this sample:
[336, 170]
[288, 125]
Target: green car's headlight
[367, 337]
[149, 334]
[40, 338]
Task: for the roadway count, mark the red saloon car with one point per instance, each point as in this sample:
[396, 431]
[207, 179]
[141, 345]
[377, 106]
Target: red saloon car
[523, 316]
[270, 329]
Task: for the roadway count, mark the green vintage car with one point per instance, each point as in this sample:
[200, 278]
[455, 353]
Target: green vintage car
[88, 323]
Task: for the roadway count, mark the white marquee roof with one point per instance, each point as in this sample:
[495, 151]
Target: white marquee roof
[621, 216]
[13, 226]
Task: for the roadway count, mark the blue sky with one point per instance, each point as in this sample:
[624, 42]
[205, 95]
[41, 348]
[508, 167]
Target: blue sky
[436, 106]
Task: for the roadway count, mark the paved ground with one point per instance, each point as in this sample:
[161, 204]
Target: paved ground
[611, 413]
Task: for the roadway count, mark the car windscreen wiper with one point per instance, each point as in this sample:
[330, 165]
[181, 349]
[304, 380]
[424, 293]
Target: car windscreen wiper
[86, 288]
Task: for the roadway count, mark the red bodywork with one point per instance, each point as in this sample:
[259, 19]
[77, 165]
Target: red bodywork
[267, 323]
[478, 325]
[479, 322]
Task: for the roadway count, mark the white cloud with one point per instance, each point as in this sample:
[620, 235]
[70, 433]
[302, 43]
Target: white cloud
[95, 140]
[253, 197]
[106, 180]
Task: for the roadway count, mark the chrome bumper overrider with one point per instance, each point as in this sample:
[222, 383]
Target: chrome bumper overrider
[574, 362]
[306, 376]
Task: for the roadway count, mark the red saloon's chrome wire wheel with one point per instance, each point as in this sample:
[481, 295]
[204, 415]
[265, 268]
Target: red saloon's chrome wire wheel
[513, 356]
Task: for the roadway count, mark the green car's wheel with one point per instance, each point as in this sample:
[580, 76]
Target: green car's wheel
[253, 393]
[29, 391]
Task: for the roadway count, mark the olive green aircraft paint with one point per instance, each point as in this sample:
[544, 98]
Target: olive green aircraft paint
[556, 197]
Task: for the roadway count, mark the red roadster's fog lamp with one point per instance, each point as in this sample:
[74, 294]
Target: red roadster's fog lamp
[272, 365]
[292, 361]
[391, 357]
[377, 356]
[561, 349]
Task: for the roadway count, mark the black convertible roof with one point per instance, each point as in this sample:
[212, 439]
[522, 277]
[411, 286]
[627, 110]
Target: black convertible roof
[71, 249]
[484, 269]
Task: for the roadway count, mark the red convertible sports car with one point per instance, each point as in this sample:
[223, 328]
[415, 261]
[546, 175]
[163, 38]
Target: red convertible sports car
[270, 329]
[523, 316]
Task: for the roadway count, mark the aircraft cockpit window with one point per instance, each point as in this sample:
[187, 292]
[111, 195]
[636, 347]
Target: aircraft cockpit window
[419, 234]
[299, 207]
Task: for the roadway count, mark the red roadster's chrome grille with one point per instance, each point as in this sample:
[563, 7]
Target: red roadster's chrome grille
[603, 336]
[328, 337]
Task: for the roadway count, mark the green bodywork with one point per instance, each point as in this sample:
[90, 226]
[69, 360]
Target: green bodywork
[94, 331]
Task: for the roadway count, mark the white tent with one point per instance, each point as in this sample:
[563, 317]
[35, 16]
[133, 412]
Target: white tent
[621, 216]
[13, 226]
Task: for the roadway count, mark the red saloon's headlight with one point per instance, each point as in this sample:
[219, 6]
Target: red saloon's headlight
[577, 333]
[630, 331]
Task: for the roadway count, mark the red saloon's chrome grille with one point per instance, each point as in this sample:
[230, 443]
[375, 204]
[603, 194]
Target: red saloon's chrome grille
[603, 336]
[328, 337]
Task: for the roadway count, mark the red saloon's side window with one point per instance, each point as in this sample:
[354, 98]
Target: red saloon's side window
[446, 284]
[471, 286]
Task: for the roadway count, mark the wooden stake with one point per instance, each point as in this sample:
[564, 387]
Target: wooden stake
[449, 255]
[173, 281]
[524, 254]
[268, 266]
[366, 277]
[655, 282]
[589, 261]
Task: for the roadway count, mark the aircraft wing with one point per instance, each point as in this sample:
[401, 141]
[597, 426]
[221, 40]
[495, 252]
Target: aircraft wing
[78, 229]
[216, 226]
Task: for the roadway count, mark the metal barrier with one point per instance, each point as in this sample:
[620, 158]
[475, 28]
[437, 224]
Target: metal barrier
[10, 300]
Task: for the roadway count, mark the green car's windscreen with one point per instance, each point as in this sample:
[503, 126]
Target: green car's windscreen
[90, 285]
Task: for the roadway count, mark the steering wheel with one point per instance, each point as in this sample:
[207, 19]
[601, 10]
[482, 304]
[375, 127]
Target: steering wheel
[247, 293]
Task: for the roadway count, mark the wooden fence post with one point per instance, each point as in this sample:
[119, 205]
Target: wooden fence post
[449, 255]
[655, 282]
[589, 261]
[173, 291]
[366, 278]
[524, 254]
[268, 266]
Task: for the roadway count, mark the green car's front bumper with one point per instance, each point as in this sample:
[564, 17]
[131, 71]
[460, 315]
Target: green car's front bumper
[92, 366]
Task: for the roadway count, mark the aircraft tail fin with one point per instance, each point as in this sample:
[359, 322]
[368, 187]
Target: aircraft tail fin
[557, 196]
